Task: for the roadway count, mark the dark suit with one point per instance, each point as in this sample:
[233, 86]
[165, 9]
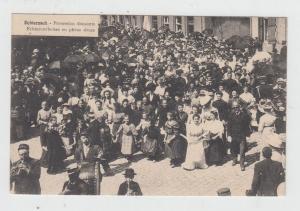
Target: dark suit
[238, 128]
[153, 99]
[77, 188]
[94, 132]
[26, 183]
[133, 189]
[94, 152]
[223, 109]
[268, 174]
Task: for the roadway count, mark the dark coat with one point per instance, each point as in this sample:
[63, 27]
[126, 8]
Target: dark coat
[26, 183]
[230, 85]
[238, 126]
[223, 109]
[268, 174]
[94, 152]
[56, 151]
[154, 101]
[79, 188]
[94, 132]
[133, 189]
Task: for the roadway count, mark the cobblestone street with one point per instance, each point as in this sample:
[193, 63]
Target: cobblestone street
[159, 178]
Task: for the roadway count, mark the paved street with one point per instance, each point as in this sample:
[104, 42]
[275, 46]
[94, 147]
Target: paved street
[158, 178]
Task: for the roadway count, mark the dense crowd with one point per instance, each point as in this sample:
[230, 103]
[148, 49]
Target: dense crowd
[188, 98]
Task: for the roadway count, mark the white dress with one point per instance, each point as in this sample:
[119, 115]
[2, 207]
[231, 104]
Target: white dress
[269, 137]
[195, 155]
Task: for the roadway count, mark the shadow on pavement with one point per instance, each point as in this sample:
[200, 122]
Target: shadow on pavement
[120, 168]
[252, 158]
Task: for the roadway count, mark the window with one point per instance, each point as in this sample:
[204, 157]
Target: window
[114, 19]
[133, 20]
[190, 24]
[166, 21]
[271, 29]
[154, 22]
[121, 19]
[178, 23]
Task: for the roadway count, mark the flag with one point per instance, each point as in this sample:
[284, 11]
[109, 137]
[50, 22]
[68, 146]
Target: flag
[147, 24]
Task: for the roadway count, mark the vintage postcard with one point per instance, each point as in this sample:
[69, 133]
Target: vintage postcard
[148, 105]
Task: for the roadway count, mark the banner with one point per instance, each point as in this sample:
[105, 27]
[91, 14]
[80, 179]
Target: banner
[55, 25]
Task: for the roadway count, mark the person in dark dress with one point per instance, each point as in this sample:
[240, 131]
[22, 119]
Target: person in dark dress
[175, 143]
[129, 187]
[161, 113]
[54, 146]
[238, 129]
[222, 106]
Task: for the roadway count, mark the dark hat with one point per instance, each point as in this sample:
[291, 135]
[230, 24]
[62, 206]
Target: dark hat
[23, 146]
[224, 192]
[267, 152]
[129, 173]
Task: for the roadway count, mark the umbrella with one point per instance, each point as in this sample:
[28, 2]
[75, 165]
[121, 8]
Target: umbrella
[91, 58]
[54, 65]
[72, 59]
[51, 79]
[261, 56]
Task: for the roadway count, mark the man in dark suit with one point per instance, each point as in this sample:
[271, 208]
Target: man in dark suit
[152, 98]
[230, 84]
[25, 173]
[268, 174]
[238, 128]
[93, 130]
[86, 152]
[129, 187]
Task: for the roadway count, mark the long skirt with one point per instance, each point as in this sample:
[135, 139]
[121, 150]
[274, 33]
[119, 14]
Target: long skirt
[195, 156]
[149, 146]
[215, 151]
[127, 146]
[176, 149]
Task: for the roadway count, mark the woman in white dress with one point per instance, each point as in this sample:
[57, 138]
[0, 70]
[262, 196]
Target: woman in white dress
[195, 156]
[269, 137]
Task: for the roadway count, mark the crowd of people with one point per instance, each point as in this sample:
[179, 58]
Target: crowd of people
[188, 98]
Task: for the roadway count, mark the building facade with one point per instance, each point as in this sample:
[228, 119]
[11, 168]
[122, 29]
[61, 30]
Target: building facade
[271, 31]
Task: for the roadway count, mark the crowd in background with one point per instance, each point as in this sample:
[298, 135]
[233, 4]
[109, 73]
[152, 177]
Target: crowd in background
[189, 98]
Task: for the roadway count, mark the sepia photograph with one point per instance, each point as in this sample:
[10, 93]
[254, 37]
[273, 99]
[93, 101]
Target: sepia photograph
[145, 105]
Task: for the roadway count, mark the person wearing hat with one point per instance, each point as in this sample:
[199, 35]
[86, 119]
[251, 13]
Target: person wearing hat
[86, 152]
[238, 128]
[74, 185]
[268, 174]
[54, 147]
[266, 126]
[25, 173]
[129, 187]
[175, 143]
